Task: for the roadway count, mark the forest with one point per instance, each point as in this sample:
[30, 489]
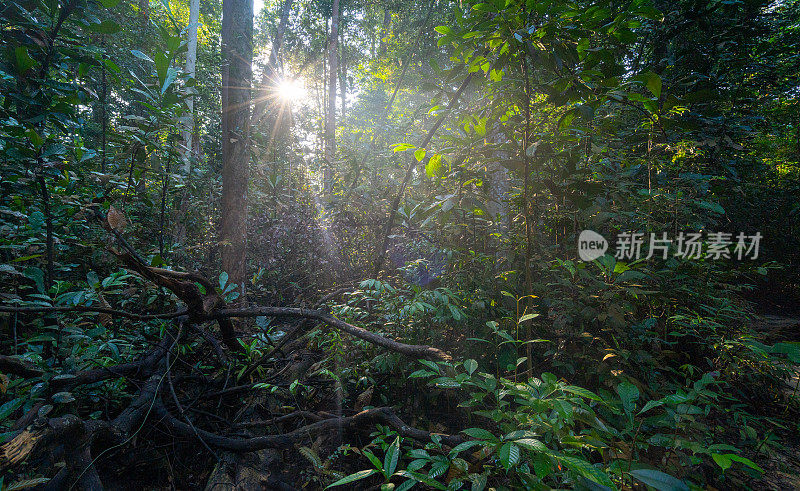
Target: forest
[379, 244]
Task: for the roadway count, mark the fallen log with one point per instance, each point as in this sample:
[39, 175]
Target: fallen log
[363, 420]
[411, 350]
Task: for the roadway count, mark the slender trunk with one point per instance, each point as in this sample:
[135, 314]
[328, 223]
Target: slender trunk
[526, 207]
[343, 76]
[330, 120]
[189, 136]
[237, 74]
[278, 41]
[383, 240]
[387, 21]
[48, 216]
[144, 13]
[103, 96]
[191, 63]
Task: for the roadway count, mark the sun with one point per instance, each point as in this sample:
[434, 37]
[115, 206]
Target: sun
[292, 90]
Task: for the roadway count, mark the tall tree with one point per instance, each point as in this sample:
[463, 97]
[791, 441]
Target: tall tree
[237, 74]
[330, 118]
[191, 62]
[191, 143]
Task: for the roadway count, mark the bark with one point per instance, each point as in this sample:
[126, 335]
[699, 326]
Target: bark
[190, 150]
[387, 21]
[343, 77]
[279, 35]
[330, 119]
[411, 350]
[237, 74]
[360, 421]
[383, 240]
[144, 14]
[191, 63]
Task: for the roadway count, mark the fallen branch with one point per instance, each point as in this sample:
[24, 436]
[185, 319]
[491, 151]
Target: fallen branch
[80, 436]
[360, 421]
[95, 310]
[223, 316]
[15, 366]
[411, 350]
[65, 381]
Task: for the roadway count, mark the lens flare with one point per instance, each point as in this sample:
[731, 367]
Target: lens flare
[292, 90]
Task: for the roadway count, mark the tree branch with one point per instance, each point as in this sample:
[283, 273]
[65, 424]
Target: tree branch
[411, 350]
[362, 420]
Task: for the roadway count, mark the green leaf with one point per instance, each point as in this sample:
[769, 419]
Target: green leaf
[372, 458]
[407, 485]
[650, 405]
[354, 477]
[223, 280]
[743, 460]
[465, 446]
[37, 275]
[628, 394]
[9, 407]
[419, 477]
[63, 397]
[434, 166]
[162, 63]
[419, 154]
[402, 147]
[106, 27]
[36, 220]
[24, 60]
[527, 317]
[509, 455]
[653, 83]
[531, 444]
[480, 434]
[445, 30]
[580, 391]
[390, 459]
[438, 469]
[141, 56]
[586, 470]
[722, 460]
[711, 206]
[470, 366]
[172, 74]
[659, 480]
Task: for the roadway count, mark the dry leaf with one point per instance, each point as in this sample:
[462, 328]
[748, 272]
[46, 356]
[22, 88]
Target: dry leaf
[18, 449]
[364, 399]
[116, 219]
[105, 319]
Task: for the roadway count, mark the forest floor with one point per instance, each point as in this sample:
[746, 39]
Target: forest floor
[778, 319]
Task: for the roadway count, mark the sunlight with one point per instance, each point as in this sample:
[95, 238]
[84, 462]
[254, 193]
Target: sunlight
[292, 90]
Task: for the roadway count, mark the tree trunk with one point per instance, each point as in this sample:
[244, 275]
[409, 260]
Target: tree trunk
[330, 120]
[387, 20]
[343, 76]
[191, 62]
[189, 136]
[144, 14]
[237, 74]
[278, 41]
